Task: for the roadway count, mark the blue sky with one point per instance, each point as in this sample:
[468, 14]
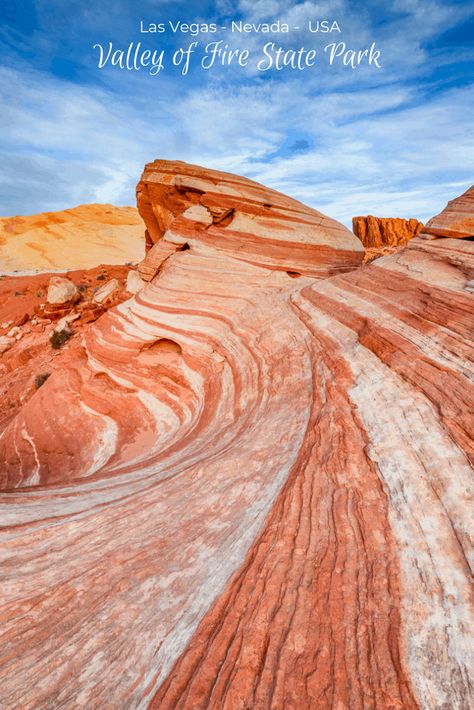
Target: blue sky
[396, 141]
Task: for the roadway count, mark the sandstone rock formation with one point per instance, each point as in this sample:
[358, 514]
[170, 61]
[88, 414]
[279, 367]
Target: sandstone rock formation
[456, 220]
[27, 323]
[185, 206]
[249, 485]
[79, 238]
[376, 232]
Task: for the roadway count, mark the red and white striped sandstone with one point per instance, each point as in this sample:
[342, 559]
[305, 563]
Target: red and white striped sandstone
[182, 206]
[250, 486]
[456, 220]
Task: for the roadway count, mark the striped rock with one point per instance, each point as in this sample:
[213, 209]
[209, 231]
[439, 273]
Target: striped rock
[185, 206]
[456, 220]
[249, 490]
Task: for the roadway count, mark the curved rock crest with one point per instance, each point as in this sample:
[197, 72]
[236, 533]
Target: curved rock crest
[456, 221]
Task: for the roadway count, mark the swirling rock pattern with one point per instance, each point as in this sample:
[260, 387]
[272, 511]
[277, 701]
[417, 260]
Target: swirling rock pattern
[250, 486]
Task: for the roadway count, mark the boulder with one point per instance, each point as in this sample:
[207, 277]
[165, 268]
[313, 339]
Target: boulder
[184, 206]
[61, 291]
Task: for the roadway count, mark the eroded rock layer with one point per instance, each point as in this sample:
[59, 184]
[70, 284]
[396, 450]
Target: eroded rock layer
[250, 487]
[28, 323]
[377, 232]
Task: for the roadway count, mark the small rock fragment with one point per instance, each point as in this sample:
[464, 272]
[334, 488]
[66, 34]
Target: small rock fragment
[134, 282]
[106, 291]
[63, 324]
[22, 319]
[5, 344]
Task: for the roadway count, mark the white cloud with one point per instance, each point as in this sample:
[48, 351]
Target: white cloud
[374, 145]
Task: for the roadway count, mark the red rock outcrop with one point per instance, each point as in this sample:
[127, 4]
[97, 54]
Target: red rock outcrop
[456, 221]
[79, 238]
[182, 205]
[250, 486]
[377, 232]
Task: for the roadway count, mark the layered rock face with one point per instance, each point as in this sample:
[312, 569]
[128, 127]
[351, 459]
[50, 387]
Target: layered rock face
[456, 220]
[376, 232]
[238, 218]
[79, 238]
[249, 485]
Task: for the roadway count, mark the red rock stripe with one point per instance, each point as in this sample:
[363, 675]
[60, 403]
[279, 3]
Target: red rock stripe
[311, 618]
[450, 392]
[416, 303]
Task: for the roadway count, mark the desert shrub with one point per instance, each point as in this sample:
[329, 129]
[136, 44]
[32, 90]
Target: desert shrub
[59, 337]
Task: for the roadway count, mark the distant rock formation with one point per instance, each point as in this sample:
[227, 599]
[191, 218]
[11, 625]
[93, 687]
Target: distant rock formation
[79, 238]
[456, 221]
[250, 484]
[377, 232]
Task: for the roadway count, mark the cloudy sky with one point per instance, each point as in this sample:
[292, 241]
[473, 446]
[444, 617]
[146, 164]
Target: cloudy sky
[390, 141]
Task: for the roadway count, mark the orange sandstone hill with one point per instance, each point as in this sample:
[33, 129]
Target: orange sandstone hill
[249, 485]
[78, 238]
